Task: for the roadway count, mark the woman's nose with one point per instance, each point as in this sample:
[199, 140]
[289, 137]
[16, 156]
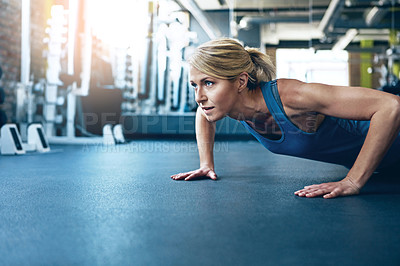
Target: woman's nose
[200, 96]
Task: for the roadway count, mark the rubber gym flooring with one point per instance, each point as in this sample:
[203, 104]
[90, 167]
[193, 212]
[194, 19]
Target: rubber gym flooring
[95, 205]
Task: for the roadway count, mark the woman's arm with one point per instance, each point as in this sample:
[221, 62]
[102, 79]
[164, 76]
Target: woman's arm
[383, 111]
[205, 133]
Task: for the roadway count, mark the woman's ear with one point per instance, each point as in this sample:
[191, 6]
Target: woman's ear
[243, 79]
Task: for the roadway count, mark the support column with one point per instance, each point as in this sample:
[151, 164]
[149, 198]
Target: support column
[394, 41]
[366, 62]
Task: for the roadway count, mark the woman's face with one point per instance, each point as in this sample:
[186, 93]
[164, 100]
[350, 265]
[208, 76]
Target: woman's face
[216, 97]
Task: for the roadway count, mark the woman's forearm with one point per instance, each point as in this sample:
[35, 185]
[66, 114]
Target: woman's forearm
[205, 133]
[384, 128]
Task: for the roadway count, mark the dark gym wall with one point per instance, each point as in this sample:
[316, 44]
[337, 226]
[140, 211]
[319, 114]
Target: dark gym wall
[10, 50]
[10, 47]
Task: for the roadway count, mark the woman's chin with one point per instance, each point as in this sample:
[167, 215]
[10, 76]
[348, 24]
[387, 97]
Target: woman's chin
[213, 118]
[209, 119]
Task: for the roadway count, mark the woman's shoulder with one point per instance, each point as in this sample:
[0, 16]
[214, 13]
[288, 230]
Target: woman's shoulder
[287, 84]
[290, 90]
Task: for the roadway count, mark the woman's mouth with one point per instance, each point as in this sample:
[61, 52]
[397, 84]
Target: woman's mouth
[207, 109]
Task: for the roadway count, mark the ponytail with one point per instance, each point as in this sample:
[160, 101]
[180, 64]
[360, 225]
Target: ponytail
[263, 70]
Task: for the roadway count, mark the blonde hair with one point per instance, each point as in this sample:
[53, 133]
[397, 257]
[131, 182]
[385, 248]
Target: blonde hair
[226, 59]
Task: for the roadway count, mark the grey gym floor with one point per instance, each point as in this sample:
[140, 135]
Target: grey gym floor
[94, 205]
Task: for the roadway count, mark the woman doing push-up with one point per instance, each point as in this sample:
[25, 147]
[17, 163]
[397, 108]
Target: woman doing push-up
[351, 126]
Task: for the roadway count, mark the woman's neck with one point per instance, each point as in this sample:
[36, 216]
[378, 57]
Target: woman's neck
[250, 105]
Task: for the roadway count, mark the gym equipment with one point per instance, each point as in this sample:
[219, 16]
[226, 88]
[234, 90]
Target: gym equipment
[389, 81]
[73, 77]
[11, 142]
[37, 138]
[3, 118]
[162, 65]
[55, 43]
[118, 134]
[393, 87]
[108, 137]
[132, 68]
[176, 75]
[148, 59]
[2, 95]
[113, 135]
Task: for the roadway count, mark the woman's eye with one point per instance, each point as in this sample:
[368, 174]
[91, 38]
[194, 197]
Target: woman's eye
[208, 83]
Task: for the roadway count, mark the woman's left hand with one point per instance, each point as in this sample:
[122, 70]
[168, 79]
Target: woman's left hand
[330, 190]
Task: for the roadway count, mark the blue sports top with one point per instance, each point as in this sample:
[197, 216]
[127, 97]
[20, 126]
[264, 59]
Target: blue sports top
[336, 141]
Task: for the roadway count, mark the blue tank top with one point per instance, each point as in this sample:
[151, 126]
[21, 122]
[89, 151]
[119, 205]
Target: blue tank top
[336, 141]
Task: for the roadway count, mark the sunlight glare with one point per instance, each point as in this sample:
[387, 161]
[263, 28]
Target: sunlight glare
[120, 23]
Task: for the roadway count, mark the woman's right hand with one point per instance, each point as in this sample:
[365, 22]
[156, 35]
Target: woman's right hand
[201, 172]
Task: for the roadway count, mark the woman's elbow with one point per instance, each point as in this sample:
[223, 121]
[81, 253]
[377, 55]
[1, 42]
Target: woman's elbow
[393, 106]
